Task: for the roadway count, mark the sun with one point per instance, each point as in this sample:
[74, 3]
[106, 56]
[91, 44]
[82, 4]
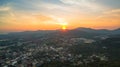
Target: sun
[62, 23]
[64, 27]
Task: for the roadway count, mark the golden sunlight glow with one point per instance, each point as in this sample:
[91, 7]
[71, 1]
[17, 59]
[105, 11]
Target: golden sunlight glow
[58, 15]
[64, 27]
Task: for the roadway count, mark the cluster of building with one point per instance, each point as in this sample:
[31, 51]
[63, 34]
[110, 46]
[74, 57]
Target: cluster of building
[34, 54]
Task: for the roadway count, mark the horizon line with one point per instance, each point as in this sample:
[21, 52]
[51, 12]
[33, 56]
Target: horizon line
[5, 32]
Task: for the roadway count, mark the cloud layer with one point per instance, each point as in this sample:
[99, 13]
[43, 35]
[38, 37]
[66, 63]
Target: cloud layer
[50, 14]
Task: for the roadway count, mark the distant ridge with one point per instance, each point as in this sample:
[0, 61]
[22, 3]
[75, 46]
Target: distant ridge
[79, 29]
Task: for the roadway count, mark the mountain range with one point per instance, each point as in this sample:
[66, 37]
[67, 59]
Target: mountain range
[78, 32]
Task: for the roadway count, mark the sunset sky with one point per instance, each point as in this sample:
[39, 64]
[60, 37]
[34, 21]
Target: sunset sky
[23, 15]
